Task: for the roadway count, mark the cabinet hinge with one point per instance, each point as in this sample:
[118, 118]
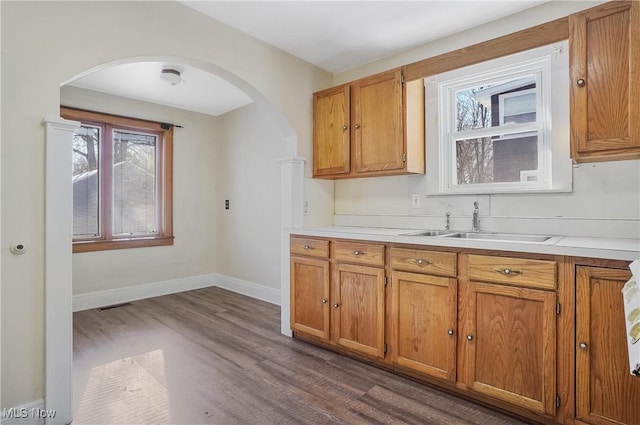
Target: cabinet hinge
[386, 281]
[557, 401]
[404, 157]
[401, 78]
[385, 348]
[558, 308]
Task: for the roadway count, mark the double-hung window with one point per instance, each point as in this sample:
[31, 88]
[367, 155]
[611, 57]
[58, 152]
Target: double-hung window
[490, 126]
[122, 182]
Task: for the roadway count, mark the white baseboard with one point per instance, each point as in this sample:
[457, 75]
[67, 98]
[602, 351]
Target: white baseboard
[138, 292]
[27, 414]
[250, 289]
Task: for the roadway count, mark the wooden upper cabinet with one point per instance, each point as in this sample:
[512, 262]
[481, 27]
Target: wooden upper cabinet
[331, 123]
[604, 44]
[369, 127]
[606, 392]
[377, 112]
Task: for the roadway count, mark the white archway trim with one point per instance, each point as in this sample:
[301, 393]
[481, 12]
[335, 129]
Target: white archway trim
[58, 273]
[291, 213]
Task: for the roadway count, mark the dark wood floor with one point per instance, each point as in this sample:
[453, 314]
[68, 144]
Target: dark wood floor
[211, 356]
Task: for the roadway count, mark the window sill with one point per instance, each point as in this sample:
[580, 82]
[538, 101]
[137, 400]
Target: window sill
[90, 246]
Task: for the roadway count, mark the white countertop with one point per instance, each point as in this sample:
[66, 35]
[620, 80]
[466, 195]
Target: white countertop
[606, 248]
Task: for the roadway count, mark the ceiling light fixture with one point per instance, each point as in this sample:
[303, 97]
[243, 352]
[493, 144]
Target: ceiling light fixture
[171, 76]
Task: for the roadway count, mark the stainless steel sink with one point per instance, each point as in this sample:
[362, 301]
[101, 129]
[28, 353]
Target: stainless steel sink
[427, 233]
[508, 237]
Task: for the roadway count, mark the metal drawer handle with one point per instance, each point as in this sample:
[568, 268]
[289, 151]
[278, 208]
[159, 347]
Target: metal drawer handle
[509, 272]
[344, 127]
[584, 345]
[357, 252]
[470, 337]
[450, 331]
[421, 262]
[580, 82]
[307, 247]
[324, 301]
[336, 305]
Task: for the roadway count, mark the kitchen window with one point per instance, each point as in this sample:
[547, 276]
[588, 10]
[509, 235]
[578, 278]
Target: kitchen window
[500, 126]
[122, 182]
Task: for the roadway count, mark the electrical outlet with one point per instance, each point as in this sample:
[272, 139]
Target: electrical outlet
[415, 201]
[226, 204]
[305, 208]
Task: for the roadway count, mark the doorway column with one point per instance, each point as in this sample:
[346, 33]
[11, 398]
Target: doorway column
[58, 269]
[291, 212]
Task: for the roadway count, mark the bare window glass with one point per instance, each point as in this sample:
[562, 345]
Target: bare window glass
[135, 190]
[86, 181]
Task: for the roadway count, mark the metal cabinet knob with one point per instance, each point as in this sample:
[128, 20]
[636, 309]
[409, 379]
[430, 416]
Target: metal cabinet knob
[357, 252]
[336, 305]
[581, 82]
[450, 331]
[584, 345]
[470, 337]
[307, 247]
[324, 301]
[344, 127]
[357, 126]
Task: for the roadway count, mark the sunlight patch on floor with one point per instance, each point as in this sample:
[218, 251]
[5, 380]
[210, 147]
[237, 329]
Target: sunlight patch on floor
[126, 391]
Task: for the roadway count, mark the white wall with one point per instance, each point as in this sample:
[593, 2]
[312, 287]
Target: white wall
[248, 175]
[606, 196]
[194, 216]
[44, 44]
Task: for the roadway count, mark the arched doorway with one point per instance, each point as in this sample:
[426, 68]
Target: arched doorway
[58, 260]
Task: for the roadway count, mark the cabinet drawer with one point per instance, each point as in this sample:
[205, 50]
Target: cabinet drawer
[423, 261]
[310, 247]
[513, 271]
[361, 253]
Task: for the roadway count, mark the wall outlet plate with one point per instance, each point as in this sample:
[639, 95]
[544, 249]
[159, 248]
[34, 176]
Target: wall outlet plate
[416, 201]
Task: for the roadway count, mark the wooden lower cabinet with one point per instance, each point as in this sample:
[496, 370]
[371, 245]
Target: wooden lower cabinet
[606, 393]
[358, 308]
[424, 316]
[509, 344]
[310, 296]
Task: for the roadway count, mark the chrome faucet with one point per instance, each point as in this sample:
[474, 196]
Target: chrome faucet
[475, 225]
[448, 225]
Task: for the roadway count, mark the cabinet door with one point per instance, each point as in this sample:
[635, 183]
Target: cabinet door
[511, 344]
[424, 312]
[331, 137]
[605, 91]
[606, 393]
[310, 296]
[377, 127]
[358, 302]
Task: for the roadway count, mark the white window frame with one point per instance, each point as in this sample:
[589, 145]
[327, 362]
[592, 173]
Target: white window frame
[502, 97]
[550, 65]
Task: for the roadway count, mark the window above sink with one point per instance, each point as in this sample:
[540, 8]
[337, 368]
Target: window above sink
[490, 129]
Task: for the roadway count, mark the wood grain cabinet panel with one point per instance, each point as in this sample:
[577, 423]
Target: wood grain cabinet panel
[310, 296]
[360, 253]
[423, 261]
[369, 127]
[309, 247]
[331, 124]
[510, 343]
[425, 322]
[606, 393]
[358, 306]
[604, 45]
[513, 271]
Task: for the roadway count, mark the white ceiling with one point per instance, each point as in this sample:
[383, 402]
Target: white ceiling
[334, 35]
